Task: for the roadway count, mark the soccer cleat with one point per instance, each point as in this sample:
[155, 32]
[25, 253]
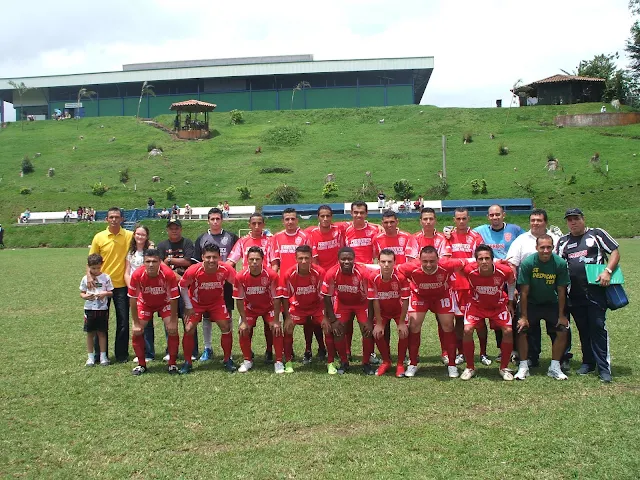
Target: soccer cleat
[229, 366]
[565, 365]
[322, 355]
[533, 363]
[514, 357]
[468, 374]
[506, 374]
[105, 362]
[165, 358]
[374, 360]
[278, 367]
[186, 368]
[331, 369]
[411, 371]
[445, 359]
[407, 361]
[453, 371]
[268, 357]
[135, 359]
[459, 359]
[90, 362]
[367, 369]
[400, 371]
[605, 377]
[173, 369]
[585, 369]
[522, 373]
[382, 369]
[193, 358]
[245, 366]
[343, 368]
[556, 373]
[485, 360]
[288, 367]
[207, 354]
[139, 370]
[306, 358]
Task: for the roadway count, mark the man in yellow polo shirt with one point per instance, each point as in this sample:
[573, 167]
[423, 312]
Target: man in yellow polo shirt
[112, 244]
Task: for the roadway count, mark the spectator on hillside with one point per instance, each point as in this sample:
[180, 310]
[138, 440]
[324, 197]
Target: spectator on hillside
[151, 205]
[407, 205]
[188, 211]
[175, 211]
[1, 237]
[164, 213]
[419, 203]
[67, 215]
[80, 213]
[381, 198]
[25, 216]
[91, 214]
[225, 209]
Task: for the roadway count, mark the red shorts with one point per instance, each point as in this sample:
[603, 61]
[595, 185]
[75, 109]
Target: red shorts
[252, 317]
[435, 305]
[387, 318]
[344, 314]
[499, 318]
[461, 298]
[299, 318]
[145, 312]
[216, 312]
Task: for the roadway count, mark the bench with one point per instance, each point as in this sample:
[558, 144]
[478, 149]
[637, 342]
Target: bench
[303, 209]
[201, 213]
[372, 207]
[48, 217]
[480, 206]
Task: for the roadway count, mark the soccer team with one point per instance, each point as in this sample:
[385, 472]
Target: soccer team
[329, 275]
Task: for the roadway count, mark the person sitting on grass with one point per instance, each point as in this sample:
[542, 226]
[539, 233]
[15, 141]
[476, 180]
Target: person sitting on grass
[96, 309]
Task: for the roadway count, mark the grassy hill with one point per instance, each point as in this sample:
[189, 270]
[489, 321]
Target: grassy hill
[345, 142]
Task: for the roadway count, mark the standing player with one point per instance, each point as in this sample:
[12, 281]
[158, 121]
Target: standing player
[348, 283]
[225, 241]
[402, 244]
[487, 300]
[154, 288]
[389, 291]
[303, 304]
[202, 288]
[326, 239]
[255, 291]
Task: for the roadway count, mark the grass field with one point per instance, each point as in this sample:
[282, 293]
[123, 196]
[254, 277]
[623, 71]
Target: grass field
[62, 420]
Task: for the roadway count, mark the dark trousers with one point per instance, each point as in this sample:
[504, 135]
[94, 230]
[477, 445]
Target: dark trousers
[121, 306]
[590, 320]
[534, 339]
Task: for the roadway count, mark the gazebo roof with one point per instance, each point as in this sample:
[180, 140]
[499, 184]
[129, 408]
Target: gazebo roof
[193, 106]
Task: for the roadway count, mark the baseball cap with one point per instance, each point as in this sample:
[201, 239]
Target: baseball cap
[174, 222]
[573, 212]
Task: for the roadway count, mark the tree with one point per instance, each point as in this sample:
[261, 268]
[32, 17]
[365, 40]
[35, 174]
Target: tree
[300, 86]
[83, 93]
[21, 88]
[618, 82]
[147, 89]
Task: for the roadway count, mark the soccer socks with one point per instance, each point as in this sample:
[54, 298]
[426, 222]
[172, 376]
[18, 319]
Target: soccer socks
[226, 342]
[414, 347]
[245, 346]
[468, 349]
[308, 336]
[173, 343]
[482, 340]
[278, 347]
[505, 351]
[341, 347]
[450, 342]
[317, 330]
[187, 347]
[367, 349]
[138, 347]
[331, 347]
[268, 336]
[207, 332]
[288, 347]
[384, 349]
[443, 342]
[403, 344]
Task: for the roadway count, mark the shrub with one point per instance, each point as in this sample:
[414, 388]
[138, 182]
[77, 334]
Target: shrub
[503, 150]
[367, 193]
[124, 175]
[276, 170]
[285, 194]
[171, 192]
[467, 138]
[99, 189]
[439, 190]
[285, 136]
[25, 191]
[527, 188]
[27, 166]
[245, 192]
[478, 186]
[403, 189]
[237, 117]
[330, 189]
[572, 179]
[153, 146]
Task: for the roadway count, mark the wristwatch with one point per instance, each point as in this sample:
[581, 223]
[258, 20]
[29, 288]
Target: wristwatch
[609, 270]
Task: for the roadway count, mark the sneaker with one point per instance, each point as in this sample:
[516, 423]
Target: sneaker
[268, 357]
[459, 359]
[306, 358]
[407, 361]
[367, 369]
[186, 368]
[322, 355]
[506, 374]
[343, 368]
[278, 367]
[514, 357]
[229, 366]
[173, 369]
[468, 374]
[148, 359]
[485, 360]
[139, 370]
[556, 373]
[382, 369]
[605, 377]
[331, 369]
[411, 371]
[288, 367]
[400, 371]
[374, 359]
[445, 360]
[105, 362]
[522, 373]
[165, 358]
[194, 358]
[245, 366]
[90, 362]
[585, 369]
[565, 365]
[453, 372]
[207, 354]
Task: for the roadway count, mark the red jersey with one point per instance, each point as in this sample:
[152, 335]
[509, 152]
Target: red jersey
[389, 293]
[361, 240]
[283, 247]
[325, 245]
[349, 290]
[206, 289]
[404, 245]
[463, 246]
[239, 250]
[257, 292]
[487, 293]
[438, 241]
[430, 285]
[154, 292]
[303, 291]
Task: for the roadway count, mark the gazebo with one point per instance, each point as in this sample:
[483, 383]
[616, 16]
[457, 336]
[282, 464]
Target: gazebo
[192, 128]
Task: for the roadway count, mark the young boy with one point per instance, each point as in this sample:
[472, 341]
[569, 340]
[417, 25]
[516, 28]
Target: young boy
[96, 309]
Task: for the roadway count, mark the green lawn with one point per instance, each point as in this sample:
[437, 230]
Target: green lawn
[62, 420]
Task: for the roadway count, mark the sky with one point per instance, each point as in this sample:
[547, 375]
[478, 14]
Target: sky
[480, 48]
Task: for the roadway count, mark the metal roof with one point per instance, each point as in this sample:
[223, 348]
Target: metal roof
[219, 62]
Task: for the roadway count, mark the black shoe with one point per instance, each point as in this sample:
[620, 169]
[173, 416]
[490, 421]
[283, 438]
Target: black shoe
[229, 366]
[605, 377]
[367, 369]
[268, 357]
[139, 370]
[343, 368]
[565, 365]
[306, 358]
[350, 357]
[585, 369]
[173, 369]
[322, 355]
[534, 363]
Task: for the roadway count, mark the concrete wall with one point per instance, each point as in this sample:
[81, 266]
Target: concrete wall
[597, 119]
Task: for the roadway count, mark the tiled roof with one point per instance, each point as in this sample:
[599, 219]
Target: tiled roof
[567, 78]
[192, 105]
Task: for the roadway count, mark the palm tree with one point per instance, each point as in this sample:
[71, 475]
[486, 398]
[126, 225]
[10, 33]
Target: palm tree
[21, 88]
[301, 86]
[83, 93]
[147, 89]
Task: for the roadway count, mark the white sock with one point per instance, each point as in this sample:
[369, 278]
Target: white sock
[555, 365]
[524, 365]
[103, 356]
[90, 356]
[207, 331]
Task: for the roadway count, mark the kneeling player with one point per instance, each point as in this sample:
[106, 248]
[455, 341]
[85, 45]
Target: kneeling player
[488, 301]
[255, 291]
[348, 282]
[302, 303]
[389, 291]
[154, 288]
[202, 289]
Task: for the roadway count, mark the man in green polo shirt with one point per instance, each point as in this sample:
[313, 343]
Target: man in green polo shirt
[542, 280]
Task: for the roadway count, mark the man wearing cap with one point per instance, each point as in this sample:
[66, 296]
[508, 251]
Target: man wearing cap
[176, 252]
[588, 303]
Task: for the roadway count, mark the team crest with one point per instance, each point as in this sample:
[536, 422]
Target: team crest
[401, 241]
[355, 280]
[264, 281]
[440, 278]
[507, 237]
[497, 281]
[590, 242]
[298, 240]
[220, 276]
[224, 240]
[394, 286]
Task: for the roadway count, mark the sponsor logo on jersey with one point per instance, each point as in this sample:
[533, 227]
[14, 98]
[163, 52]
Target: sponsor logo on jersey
[257, 290]
[308, 290]
[487, 289]
[572, 245]
[430, 286]
[154, 290]
[348, 288]
[388, 295]
[461, 247]
[285, 249]
[578, 254]
[209, 285]
[328, 244]
[360, 242]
